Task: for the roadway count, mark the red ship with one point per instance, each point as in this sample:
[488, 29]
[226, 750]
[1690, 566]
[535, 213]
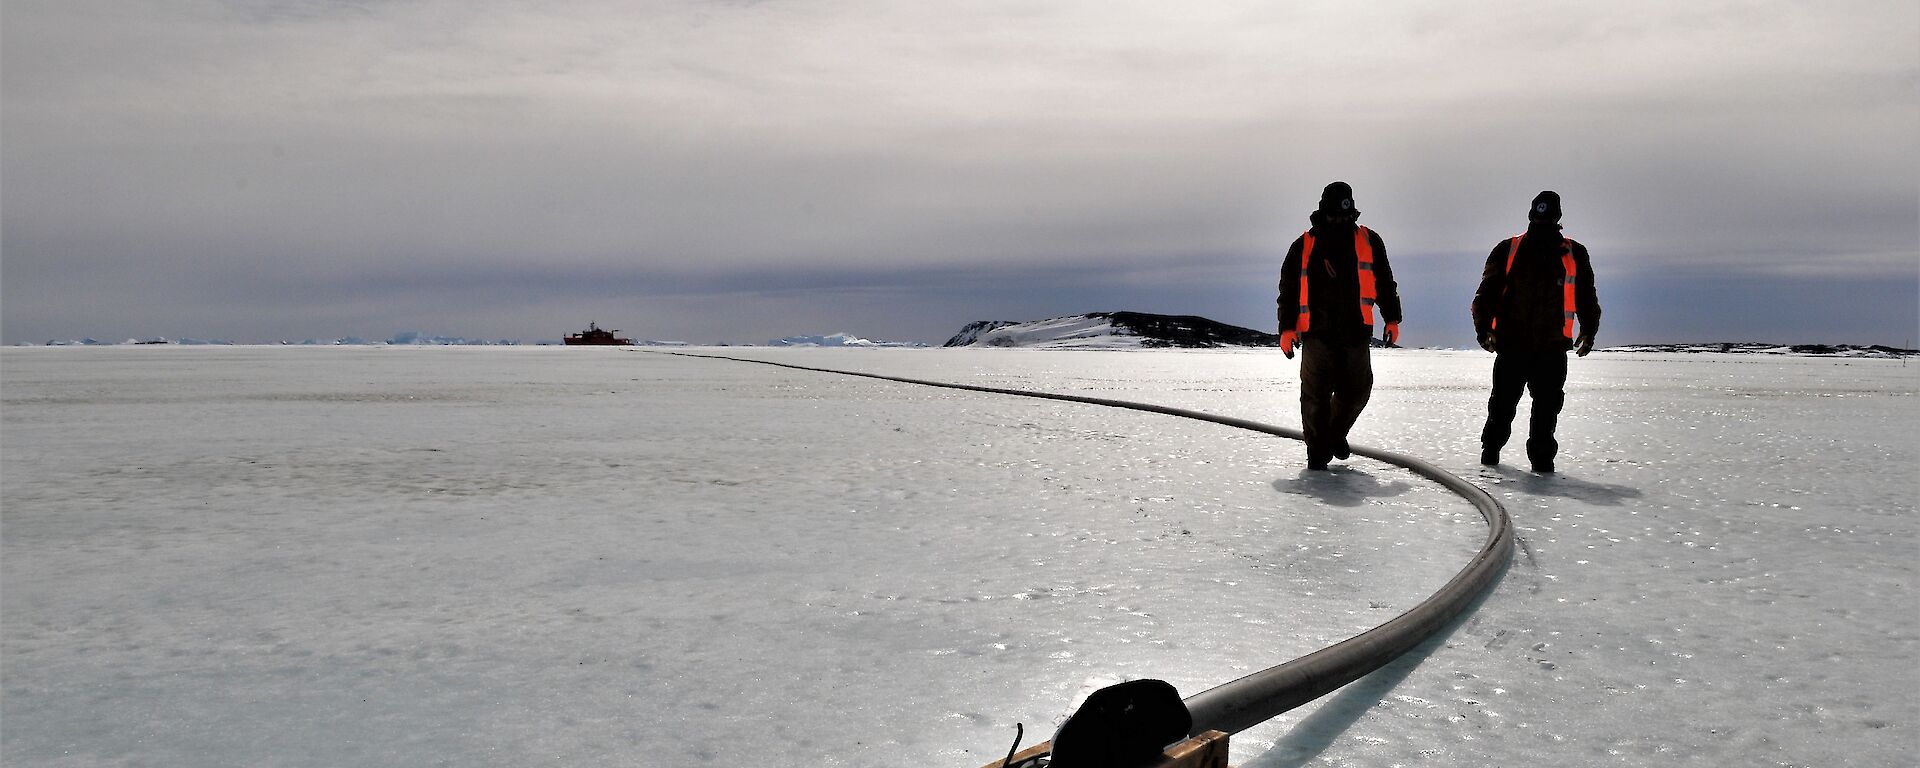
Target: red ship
[593, 335]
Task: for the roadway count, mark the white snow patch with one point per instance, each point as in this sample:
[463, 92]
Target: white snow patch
[1076, 332]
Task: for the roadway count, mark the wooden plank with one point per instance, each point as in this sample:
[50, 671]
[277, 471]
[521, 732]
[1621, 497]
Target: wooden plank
[1037, 749]
[1207, 750]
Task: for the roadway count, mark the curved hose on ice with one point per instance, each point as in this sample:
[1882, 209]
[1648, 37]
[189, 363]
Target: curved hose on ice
[1241, 704]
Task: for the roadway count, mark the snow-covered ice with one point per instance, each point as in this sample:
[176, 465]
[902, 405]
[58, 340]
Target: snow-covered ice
[550, 556]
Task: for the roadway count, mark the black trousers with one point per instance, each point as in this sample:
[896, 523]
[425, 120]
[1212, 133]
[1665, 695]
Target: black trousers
[1542, 374]
[1336, 378]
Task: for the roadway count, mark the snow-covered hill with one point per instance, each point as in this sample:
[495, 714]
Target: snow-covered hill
[1111, 330]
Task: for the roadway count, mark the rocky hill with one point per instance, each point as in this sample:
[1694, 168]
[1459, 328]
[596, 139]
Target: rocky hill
[1111, 330]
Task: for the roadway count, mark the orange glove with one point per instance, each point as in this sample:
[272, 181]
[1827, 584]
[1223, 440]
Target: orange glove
[1288, 340]
[1392, 334]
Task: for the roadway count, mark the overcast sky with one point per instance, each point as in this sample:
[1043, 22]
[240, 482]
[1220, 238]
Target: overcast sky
[259, 170]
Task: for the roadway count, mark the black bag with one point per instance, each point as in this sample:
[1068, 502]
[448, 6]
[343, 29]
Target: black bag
[1121, 726]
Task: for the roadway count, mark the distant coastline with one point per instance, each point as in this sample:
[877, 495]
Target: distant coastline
[1130, 330]
[1759, 348]
[1873, 351]
[1093, 330]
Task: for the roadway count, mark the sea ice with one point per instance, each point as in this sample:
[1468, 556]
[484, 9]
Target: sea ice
[550, 556]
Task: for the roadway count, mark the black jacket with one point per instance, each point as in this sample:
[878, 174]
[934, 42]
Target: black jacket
[1333, 290]
[1529, 301]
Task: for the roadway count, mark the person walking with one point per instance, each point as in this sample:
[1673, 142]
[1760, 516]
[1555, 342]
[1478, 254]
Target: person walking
[1333, 279]
[1535, 285]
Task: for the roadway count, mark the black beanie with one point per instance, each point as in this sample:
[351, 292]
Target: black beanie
[1337, 198]
[1546, 207]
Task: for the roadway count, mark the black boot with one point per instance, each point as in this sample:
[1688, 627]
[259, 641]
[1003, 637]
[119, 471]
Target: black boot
[1341, 450]
[1489, 456]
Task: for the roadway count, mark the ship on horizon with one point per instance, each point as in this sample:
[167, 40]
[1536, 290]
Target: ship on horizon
[594, 335]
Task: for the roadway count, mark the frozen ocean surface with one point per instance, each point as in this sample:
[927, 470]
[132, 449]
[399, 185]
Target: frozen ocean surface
[259, 556]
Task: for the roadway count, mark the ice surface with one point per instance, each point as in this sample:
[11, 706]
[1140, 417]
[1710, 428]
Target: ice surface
[550, 556]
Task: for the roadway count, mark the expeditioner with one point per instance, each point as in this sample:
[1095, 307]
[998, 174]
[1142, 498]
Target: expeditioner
[1534, 287]
[1334, 278]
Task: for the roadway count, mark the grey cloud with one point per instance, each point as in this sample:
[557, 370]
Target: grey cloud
[240, 148]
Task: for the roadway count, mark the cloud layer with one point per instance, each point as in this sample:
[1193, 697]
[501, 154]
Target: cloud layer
[739, 171]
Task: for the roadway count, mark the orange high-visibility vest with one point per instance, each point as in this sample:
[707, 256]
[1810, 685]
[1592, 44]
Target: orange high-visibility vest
[1363, 255]
[1568, 306]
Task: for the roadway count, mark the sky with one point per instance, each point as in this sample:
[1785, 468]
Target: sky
[741, 171]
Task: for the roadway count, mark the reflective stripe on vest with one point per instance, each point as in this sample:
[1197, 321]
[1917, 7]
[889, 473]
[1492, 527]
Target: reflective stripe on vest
[1568, 306]
[1363, 257]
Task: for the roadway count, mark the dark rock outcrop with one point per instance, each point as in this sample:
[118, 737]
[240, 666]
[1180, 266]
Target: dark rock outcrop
[1189, 331]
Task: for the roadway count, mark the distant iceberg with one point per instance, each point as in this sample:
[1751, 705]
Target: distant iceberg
[416, 338]
[838, 340]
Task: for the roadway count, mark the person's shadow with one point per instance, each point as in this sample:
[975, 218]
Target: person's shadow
[1561, 486]
[1341, 485]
